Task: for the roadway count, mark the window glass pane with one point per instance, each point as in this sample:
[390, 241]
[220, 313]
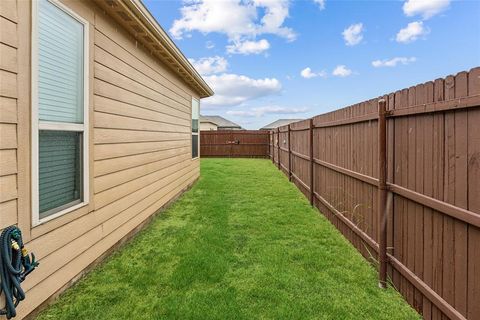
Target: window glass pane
[60, 65]
[195, 125]
[195, 109]
[59, 170]
[194, 146]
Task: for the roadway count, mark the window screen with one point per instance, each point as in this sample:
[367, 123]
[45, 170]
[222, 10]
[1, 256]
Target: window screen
[194, 146]
[59, 170]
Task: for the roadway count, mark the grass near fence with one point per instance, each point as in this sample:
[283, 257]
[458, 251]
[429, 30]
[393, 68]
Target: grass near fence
[243, 243]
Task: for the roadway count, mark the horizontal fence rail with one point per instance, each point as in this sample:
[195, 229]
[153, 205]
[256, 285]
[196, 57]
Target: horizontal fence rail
[234, 143]
[399, 176]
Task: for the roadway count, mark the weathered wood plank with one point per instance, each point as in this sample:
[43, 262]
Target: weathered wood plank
[473, 163]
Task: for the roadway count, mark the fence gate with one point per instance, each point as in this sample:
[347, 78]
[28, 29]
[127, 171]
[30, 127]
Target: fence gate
[234, 143]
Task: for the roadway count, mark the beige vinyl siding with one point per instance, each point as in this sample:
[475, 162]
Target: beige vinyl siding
[8, 113]
[207, 126]
[140, 147]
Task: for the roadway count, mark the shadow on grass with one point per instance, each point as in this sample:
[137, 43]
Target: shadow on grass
[243, 243]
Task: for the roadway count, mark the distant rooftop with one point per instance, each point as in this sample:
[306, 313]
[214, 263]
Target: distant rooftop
[221, 122]
[279, 123]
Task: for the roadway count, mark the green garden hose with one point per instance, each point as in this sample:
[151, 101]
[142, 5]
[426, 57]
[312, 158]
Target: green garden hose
[15, 265]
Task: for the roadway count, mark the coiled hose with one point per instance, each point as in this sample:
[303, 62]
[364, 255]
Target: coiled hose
[15, 265]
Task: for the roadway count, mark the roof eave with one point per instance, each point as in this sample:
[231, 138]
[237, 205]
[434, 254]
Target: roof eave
[136, 18]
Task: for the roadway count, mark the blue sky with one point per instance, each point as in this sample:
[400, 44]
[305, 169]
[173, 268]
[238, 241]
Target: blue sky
[270, 59]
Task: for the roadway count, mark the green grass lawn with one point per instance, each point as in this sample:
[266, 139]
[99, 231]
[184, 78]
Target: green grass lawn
[243, 243]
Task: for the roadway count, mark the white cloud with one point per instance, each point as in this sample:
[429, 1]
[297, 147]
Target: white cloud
[275, 14]
[353, 34]
[341, 71]
[307, 73]
[425, 8]
[393, 62]
[320, 3]
[412, 32]
[233, 89]
[239, 20]
[248, 47]
[213, 16]
[209, 45]
[261, 111]
[209, 65]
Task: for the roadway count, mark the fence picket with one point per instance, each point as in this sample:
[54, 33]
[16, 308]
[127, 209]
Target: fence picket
[423, 224]
[430, 169]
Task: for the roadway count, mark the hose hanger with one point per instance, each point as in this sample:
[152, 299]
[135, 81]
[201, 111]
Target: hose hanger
[15, 265]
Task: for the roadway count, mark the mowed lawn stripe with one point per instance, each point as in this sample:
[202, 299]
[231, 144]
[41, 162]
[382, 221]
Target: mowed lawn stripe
[243, 243]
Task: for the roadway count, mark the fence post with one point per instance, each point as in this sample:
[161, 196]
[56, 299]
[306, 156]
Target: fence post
[270, 143]
[278, 147]
[311, 161]
[289, 157]
[382, 193]
[273, 146]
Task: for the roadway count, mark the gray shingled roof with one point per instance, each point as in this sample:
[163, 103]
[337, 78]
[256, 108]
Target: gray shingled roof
[221, 122]
[279, 123]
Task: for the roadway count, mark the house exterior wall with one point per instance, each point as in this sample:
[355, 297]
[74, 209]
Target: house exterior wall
[140, 146]
[208, 126]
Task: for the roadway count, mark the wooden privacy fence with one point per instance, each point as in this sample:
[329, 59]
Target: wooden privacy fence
[411, 164]
[234, 143]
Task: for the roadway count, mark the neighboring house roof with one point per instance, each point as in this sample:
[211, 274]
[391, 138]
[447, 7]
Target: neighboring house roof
[136, 18]
[203, 121]
[220, 122]
[279, 123]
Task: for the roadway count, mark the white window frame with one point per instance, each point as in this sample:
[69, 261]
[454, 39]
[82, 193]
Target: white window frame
[58, 126]
[198, 132]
